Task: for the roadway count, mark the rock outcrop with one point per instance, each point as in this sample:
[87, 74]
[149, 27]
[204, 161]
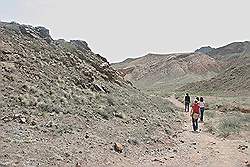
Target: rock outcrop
[205, 49]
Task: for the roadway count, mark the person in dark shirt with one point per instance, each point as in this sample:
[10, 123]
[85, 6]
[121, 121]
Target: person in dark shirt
[187, 102]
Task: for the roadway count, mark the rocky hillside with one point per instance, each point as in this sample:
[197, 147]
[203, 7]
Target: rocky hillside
[235, 78]
[168, 71]
[62, 105]
[232, 81]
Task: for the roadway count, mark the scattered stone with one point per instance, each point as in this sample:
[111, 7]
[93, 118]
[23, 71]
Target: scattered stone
[182, 141]
[78, 164]
[58, 157]
[86, 136]
[155, 159]
[49, 124]
[118, 147]
[242, 147]
[121, 115]
[6, 119]
[217, 151]
[23, 120]
[17, 116]
[158, 160]
[171, 157]
[194, 143]
[174, 136]
[175, 151]
[52, 114]
[180, 131]
[133, 141]
[143, 118]
[67, 154]
[33, 123]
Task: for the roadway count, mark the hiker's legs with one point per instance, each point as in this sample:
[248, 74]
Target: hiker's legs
[186, 107]
[202, 112]
[196, 122]
[193, 122]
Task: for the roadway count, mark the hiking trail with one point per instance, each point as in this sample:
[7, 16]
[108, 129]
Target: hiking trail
[204, 149]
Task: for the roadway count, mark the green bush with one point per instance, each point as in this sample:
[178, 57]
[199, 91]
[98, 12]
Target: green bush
[229, 125]
[209, 113]
[104, 114]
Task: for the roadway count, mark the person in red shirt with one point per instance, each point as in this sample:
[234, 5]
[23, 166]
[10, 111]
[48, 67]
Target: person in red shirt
[195, 113]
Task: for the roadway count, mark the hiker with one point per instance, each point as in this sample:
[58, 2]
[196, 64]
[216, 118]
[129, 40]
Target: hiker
[198, 99]
[187, 102]
[202, 108]
[195, 113]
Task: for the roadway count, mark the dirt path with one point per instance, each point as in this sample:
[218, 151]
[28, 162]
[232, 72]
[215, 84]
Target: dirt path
[204, 149]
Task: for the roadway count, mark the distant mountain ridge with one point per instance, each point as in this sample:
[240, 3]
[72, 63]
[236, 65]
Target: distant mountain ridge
[235, 78]
[171, 71]
[156, 70]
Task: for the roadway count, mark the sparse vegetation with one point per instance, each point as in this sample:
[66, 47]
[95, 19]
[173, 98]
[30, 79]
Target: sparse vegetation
[210, 113]
[229, 125]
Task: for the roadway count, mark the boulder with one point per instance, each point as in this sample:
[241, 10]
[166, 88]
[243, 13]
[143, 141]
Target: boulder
[44, 33]
[81, 45]
[36, 32]
[78, 164]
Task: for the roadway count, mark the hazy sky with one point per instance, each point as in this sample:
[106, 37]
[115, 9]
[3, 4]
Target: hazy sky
[118, 29]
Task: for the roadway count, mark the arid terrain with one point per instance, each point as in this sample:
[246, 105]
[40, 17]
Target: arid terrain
[222, 76]
[63, 105]
[223, 70]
